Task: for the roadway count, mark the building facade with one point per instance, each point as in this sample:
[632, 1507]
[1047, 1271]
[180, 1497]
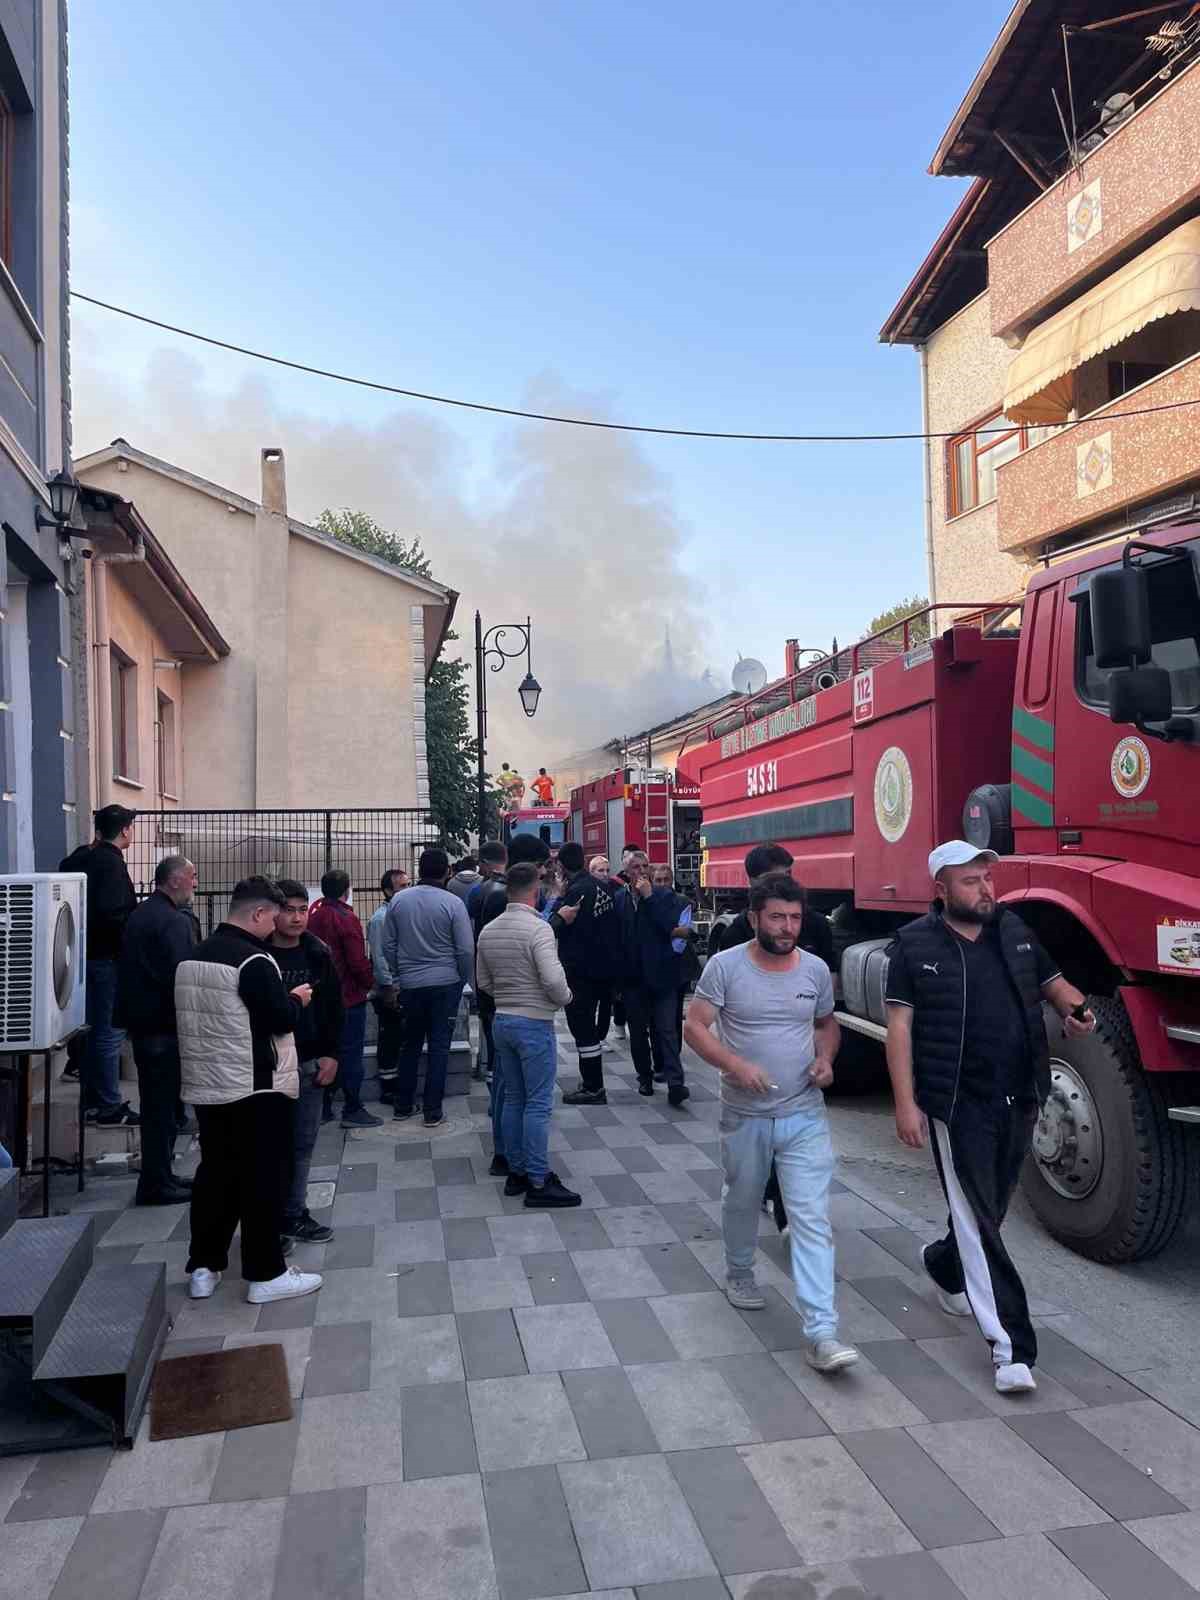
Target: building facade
[43, 713]
[319, 697]
[1057, 317]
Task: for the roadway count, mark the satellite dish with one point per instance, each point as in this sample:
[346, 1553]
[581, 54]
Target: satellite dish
[1118, 108]
[749, 675]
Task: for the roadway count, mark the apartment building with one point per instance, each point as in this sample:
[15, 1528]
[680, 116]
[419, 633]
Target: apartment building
[1065, 289]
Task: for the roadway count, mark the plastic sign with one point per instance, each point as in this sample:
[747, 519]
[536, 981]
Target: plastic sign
[864, 695]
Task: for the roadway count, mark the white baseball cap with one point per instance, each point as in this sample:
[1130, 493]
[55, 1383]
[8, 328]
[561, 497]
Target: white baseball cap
[957, 853]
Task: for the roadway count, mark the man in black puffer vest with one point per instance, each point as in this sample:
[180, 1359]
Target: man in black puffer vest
[970, 1062]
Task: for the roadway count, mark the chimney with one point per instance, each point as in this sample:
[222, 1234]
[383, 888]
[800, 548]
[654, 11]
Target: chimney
[274, 481]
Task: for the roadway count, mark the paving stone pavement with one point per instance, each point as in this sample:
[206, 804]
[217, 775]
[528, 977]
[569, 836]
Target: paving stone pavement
[493, 1404]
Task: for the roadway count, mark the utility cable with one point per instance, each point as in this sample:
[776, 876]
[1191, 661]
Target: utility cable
[592, 422]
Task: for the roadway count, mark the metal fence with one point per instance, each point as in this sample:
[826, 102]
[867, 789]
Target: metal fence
[300, 844]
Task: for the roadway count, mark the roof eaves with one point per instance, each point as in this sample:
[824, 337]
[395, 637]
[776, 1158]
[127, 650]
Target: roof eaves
[933, 264]
[979, 83]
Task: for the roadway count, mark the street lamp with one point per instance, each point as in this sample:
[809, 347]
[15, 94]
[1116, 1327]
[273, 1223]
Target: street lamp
[63, 491]
[491, 654]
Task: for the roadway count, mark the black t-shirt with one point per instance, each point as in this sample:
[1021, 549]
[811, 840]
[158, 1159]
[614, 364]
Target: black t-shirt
[996, 1055]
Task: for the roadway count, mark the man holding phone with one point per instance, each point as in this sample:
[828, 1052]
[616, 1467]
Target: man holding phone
[775, 1045]
[970, 1063]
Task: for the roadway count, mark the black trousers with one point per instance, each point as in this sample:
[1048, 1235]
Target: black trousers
[245, 1169]
[979, 1157]
[156, 1056]
[591, 1003]
[653, 1042]
[388, 1042]
[486, 1007]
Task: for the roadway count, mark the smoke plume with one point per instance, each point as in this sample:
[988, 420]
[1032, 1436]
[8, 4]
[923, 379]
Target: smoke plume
[573, 527]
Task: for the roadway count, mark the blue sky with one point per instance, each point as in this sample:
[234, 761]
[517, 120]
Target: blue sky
[695, 214]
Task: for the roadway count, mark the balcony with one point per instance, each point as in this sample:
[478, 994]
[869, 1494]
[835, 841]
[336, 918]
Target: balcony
[1146, 172]
[1102, 465]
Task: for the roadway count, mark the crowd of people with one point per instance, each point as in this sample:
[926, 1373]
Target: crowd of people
[259, 1025]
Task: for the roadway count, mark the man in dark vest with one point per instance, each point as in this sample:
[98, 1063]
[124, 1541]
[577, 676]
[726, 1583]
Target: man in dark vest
[970, 1063]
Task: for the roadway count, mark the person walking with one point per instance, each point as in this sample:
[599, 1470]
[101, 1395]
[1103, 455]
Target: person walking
[334, 921]
[518, 966]
[592, 951]
[385, 998]
[969, 1062]
[239, 1067]
[159, 935]
[650, 990]
[429, 952]
[110, 902]
[776, 1040]
[303, 959]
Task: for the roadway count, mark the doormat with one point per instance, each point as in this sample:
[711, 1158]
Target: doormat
[219, 1390]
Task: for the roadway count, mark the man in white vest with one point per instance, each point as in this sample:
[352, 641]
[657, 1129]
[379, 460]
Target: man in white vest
[240, 1071]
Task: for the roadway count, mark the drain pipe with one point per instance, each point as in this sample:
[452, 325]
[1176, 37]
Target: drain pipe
[101, 660]
[930, 565]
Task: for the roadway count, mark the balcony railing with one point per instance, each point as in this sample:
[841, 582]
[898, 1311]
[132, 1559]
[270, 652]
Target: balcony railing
[1144, 174]
[1102, 464]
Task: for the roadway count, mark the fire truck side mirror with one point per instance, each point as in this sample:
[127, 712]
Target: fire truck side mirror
[1120, 604]
[1139, 695]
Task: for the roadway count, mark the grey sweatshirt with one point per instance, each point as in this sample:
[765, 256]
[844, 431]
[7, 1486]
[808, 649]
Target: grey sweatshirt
[427, 939]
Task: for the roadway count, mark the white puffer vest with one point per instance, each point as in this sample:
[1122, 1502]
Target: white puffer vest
[216, 1045]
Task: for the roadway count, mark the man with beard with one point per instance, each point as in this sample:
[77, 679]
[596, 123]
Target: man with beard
[776, 1041]
[969, 1060]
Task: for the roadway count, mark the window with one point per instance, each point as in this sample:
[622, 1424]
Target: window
[123, 683]
[164, 732]
[972, 458]
[1174, 628]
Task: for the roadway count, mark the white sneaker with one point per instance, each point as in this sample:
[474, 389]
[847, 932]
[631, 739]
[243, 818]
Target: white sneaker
[827, 1355]
[954, 1305]
[1015, 1378]
[287, 1286]
[202, 1282]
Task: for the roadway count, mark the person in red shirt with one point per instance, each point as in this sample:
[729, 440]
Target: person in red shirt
[337, 925]
[543, 787]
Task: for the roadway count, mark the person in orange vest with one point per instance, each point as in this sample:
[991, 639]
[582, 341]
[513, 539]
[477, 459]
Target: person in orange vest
[543, 787]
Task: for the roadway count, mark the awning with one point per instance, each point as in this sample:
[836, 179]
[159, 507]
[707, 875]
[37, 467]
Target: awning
[1040, 385]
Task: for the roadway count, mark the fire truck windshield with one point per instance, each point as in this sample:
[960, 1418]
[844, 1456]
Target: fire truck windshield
[1175, 631]
[551, 833]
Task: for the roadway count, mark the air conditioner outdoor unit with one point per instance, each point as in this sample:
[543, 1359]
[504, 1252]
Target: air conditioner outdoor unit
[43, 917]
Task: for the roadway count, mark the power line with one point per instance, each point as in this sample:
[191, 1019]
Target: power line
[591, 422]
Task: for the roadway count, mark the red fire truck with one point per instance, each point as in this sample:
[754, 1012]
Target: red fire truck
[1065, 735]
[544, 822]
[650, 807]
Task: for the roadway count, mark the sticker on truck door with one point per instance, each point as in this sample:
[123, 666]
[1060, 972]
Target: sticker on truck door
[893, 794]
[864, 695]
[1179, 946]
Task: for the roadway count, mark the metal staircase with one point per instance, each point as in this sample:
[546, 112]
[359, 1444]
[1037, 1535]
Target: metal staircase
[78, 1342]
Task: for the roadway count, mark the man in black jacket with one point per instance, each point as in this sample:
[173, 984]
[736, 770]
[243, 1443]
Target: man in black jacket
[110, 902]
[969, 1063]
[592, 951]
[159, 935]
[816, 936]
[303, 958]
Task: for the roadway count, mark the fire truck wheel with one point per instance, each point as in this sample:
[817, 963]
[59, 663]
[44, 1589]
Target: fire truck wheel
[1109, 1174]
[860, 1068]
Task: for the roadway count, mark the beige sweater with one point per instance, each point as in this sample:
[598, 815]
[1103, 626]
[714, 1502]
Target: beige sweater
[517, 964]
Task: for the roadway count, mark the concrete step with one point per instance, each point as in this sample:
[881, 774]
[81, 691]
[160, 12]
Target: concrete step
[102, 1356]
[43, 1261]
[10, 1198]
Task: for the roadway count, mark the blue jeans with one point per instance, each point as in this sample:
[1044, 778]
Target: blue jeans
[102, 1066]
[429, 1018]
[496, 1103]
[803, 1154]
[305, 1127]
[350, 1054]
[527, 1058]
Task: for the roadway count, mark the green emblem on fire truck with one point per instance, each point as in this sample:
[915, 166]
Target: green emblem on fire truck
[893, 794]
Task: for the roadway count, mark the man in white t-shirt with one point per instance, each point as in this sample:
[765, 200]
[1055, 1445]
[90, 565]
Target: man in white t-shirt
[774, 1047]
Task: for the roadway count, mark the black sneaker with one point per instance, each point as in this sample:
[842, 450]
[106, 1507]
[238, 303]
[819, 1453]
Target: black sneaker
[676, 1097]
[360, 1117]
[552, 1193]
[517, 1183]
[585, 1097]
[400, 1115]
[645, 1086]
[435, 1122]
[122, 1116]
[660, 1077]
[499, 1167]
[307, 1230]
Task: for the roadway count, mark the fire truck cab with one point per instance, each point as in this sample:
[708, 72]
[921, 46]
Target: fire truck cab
[1065, 735]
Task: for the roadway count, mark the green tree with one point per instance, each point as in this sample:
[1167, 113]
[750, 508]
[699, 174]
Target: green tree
[365, 534]
[896, 614]
[450, 749]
